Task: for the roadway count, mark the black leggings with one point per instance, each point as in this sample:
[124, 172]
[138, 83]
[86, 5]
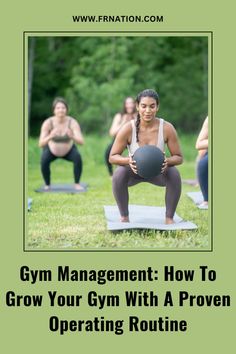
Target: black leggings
[124, 177]
[47, 157]
[107, 153]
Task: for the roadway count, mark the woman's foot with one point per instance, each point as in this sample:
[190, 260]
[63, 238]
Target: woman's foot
[78, 187]
[169, 221]
[46, 187]
[203, 205]
[124, 219]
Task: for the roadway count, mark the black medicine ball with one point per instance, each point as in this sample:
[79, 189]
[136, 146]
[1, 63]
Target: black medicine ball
[149, 160]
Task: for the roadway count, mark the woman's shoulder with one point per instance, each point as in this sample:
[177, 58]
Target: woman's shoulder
[72, 120]
[129, 124]
[168, 128]
[126, 128]
[205, 124]
[118, 117]
[167, 124]
[48, 121]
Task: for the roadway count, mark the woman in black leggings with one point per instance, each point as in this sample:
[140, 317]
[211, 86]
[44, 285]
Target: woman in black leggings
[128, 113]
[58, 137]
[147, 129]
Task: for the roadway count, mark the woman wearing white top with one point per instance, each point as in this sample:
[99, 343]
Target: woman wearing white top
[147, 129]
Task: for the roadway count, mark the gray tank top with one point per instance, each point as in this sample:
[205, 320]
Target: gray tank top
[160, 139]
[61, 138]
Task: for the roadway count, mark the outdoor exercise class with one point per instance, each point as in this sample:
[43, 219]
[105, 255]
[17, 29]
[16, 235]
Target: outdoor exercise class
[118, 147]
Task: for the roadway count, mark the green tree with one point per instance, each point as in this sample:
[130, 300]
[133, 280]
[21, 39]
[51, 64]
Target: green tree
[95, 74]
[100, 81]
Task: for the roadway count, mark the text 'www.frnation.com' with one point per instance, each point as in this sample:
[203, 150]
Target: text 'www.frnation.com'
[125, 18]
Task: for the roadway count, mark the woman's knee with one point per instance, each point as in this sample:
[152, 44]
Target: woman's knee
[120, 176]
[173, 175]
[45, 161]
[46, 157]
[77, 158]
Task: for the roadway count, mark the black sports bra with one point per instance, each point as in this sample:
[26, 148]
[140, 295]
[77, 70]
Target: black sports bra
[61, 138]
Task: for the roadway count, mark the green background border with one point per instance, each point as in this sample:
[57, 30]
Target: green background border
[25, 330]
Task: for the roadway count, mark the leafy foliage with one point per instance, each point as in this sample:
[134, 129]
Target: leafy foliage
[95, 74]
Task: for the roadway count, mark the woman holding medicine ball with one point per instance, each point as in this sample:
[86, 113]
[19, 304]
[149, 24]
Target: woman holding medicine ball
[146, 129]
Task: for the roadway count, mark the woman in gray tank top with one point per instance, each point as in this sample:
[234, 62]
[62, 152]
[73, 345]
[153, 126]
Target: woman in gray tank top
[58, 138]
[147, 129]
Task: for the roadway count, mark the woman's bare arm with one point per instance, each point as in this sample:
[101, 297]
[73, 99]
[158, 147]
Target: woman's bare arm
[120, 143]
[172, 141]
[116, 124]
[46, 134]
[75, 132]
[202, 140]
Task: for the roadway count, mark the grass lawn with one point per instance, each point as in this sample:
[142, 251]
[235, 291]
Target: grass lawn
[65, 221]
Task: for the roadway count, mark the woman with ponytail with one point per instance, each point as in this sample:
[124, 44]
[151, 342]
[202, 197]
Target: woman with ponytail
[128, 112]
[146, 129]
